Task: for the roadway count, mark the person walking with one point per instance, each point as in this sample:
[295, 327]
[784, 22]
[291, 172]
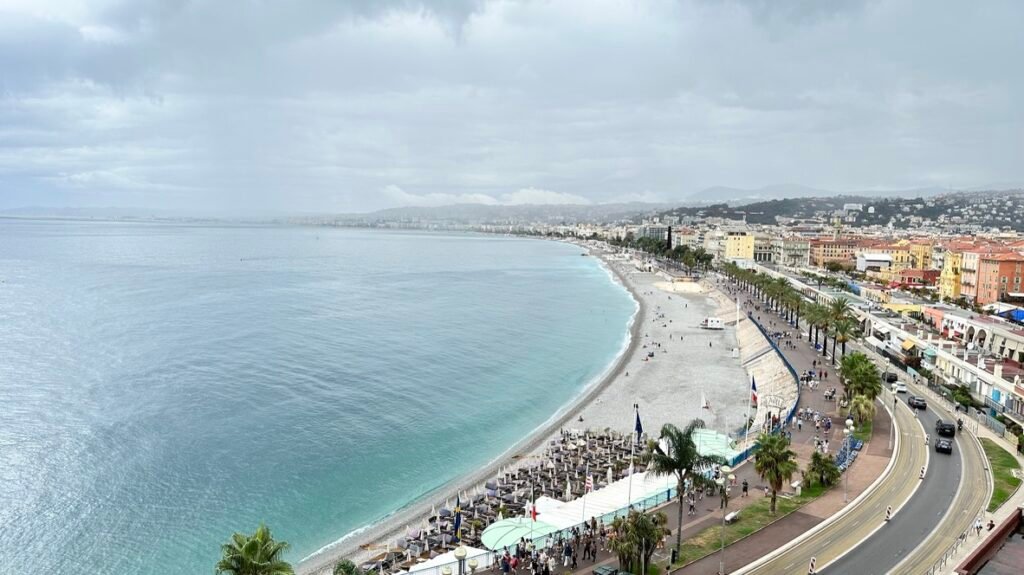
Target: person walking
[745, 487]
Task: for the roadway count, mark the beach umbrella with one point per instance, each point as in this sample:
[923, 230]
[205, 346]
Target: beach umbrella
[610, 480]
[568, 489]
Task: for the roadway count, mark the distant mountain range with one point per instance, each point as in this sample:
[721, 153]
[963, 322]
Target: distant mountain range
[719, 194]
[547, 213]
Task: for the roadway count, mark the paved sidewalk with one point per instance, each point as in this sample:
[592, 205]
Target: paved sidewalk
[868, 466]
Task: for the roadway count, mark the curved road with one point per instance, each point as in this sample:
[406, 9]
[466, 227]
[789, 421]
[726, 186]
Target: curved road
[867, 514]
[951, 495]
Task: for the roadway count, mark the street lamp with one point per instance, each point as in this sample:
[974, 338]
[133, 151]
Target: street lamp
[446, 570]
[473, 564]
[847, 433]
[725, 477]
[460, 556]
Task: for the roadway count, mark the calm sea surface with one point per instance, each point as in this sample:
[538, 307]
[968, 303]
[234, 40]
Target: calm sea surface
[164, 385]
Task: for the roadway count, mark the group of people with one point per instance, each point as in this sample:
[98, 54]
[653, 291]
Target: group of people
[580, 544]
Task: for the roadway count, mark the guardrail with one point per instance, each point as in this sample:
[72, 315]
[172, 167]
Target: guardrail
[951, 551]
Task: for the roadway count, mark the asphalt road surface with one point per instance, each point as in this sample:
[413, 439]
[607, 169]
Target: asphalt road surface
[917, 519]
[836, 538]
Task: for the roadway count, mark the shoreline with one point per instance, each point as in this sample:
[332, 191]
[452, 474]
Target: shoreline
[391, 526]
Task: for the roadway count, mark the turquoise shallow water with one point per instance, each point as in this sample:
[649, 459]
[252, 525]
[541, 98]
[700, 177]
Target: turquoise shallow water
[164, 385]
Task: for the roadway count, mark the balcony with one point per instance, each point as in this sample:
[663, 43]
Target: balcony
[989, 402]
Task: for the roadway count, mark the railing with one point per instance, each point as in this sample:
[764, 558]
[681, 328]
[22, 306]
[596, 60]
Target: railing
[951, 551]
[486, 560]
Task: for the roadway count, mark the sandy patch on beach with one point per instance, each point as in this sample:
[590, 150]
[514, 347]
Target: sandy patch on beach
[687, 362]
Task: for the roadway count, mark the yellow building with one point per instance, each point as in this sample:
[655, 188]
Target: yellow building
[900, 254]
[949, 279]
[739, 246]
[921, 254]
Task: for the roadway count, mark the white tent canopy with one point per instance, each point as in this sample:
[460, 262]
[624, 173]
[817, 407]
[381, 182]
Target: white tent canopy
[606, 500]
[433, 566]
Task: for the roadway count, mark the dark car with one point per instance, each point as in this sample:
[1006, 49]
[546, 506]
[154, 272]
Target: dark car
[945, 428]
[917, 402]
[943, 446]
[891, 378]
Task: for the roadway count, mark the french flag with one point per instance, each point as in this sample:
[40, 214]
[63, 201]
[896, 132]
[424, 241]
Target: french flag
[753, 391]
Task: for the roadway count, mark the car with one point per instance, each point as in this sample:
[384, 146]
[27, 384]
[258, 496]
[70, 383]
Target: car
[891, 378]
[943, 446]
[899, 387]
[945, 428]
[917, 402]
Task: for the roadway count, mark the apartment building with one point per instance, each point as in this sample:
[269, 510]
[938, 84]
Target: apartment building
[997, 275]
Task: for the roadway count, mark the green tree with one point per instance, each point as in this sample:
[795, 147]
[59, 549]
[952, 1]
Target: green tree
[636, 538]
[346, 567]
[774, 462]
[842, 331]
[862, 408]
[684, 461]
[860, 376]
[256, 554]
[822, 469]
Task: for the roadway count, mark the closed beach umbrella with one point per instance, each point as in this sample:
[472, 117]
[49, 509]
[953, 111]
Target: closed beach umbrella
[610, 480]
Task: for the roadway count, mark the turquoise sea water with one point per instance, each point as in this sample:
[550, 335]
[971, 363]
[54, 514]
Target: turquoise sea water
[164, 385]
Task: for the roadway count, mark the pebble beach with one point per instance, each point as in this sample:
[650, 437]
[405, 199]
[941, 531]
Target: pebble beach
[669, 367]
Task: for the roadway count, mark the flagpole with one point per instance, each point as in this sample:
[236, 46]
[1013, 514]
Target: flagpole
[632, 450]
[746, 421]
[586, 479]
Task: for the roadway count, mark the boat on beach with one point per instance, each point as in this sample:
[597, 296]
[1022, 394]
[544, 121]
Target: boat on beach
[712, 323]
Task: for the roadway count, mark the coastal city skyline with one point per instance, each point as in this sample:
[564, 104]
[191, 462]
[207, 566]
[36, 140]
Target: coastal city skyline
[511, 287]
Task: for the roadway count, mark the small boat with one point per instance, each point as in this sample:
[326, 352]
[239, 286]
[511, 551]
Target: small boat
[712, 323]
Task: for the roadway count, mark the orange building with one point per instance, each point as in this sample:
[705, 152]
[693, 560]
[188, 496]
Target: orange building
[999, 274]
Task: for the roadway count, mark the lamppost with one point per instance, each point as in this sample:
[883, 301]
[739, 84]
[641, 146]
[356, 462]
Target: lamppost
[847, 433]
[460, 556]
[446, 570]
[473, 564]
[725, 478]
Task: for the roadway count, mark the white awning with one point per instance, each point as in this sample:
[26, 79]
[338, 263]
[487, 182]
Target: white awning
[881, 328]
[873, 341]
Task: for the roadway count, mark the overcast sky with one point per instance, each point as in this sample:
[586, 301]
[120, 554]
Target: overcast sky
[350, 106]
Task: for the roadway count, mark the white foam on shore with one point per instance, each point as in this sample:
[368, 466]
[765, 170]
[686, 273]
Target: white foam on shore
[540, 429]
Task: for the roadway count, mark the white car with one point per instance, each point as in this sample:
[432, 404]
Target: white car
[899, 387]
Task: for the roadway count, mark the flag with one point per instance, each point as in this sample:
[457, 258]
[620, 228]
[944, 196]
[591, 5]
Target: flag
[533, 511]
[638, 428]
[753, 391]
[590, 483]
[458, 518]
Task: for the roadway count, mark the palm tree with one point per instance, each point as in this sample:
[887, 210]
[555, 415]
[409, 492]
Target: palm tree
[257, 554]
[346, 567]
[793, 302]
[811, 314]
[840, 308]
[775, 462]
[636, 538]
[822, 469]
[862, 408]
[842, 331]
[860, 376]
[684, 461]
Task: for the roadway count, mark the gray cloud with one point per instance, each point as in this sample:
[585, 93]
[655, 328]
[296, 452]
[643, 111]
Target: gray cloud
[325, 106]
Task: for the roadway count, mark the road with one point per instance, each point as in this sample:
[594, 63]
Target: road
[868, 514]
[940, 511]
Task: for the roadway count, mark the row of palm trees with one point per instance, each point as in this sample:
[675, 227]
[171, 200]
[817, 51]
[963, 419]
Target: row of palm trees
[834, 319]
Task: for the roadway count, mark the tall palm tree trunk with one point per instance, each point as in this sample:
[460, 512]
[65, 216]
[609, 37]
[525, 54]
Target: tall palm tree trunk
[834, 351]
[679, 532]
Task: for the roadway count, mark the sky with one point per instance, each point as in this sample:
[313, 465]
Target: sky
[332, 106]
